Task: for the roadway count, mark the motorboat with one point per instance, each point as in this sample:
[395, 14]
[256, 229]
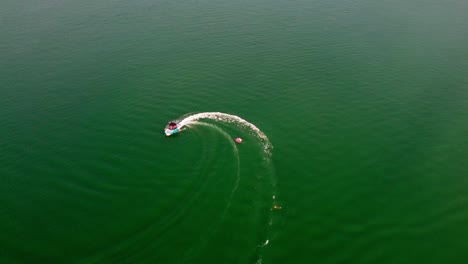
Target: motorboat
[172, 128]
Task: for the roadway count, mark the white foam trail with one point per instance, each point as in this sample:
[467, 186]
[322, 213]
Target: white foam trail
[227, 118]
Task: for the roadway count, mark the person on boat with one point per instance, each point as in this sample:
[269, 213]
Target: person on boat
[172, 125]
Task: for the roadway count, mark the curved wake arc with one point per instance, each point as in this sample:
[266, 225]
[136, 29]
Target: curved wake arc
[227, 118]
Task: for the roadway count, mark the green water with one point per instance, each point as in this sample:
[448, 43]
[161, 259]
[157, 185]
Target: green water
[365, 104]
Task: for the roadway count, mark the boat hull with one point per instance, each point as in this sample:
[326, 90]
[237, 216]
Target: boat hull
[170, 132]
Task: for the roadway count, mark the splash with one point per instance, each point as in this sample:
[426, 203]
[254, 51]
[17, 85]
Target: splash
[227, 118]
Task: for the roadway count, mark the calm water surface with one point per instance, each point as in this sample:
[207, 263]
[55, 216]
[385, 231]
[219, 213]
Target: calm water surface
[364, 102]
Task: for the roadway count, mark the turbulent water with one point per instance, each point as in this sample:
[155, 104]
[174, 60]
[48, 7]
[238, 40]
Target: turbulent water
[365, 103]
[223, 117]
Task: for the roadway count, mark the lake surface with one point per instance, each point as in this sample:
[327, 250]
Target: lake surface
[360, 154]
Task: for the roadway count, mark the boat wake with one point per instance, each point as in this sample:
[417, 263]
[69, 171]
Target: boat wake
[266, 185]
[236, 153]
[233, 119]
